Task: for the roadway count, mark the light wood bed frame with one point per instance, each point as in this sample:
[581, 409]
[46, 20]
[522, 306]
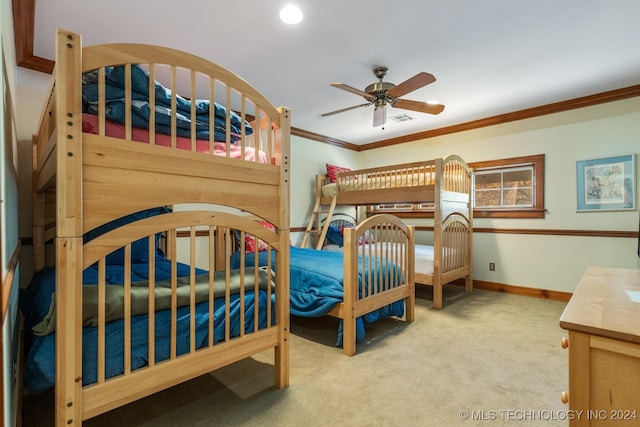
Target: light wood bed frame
[392, 244]
[387, 277]
[82, 181]
[445, 182]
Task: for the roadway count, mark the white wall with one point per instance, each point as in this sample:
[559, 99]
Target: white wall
[545, 262]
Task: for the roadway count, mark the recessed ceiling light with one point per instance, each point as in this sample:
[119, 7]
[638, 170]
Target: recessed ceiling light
[291, 14]
[433, 102]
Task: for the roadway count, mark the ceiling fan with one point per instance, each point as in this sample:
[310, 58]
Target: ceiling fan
[382, 93]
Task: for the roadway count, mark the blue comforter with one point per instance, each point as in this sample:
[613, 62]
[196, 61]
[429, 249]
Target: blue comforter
[40, 350]
[316, 285]
[140, 109]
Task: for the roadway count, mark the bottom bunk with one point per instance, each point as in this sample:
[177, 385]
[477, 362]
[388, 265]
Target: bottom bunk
[371, 278]
[454, 256]
[196, 320]
[450, 257]
[38, 308]
[425, 275]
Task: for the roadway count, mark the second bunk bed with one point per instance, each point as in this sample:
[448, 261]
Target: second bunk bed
[442, 186]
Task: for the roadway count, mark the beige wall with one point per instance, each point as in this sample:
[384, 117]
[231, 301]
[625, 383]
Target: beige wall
[545, 262]
[310, 158]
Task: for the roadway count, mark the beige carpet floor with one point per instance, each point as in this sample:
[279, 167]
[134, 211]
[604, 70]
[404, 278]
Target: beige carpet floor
[486, 358]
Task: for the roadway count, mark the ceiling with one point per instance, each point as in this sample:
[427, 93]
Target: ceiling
[489, 57]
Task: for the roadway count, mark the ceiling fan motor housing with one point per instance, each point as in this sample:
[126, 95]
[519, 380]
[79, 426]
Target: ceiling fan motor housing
[379, 89]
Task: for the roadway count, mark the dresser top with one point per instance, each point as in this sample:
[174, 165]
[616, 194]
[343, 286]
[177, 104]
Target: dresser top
[602, 306]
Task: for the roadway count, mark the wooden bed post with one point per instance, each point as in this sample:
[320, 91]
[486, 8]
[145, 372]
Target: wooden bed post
[68, 77]
[468, 280]
[410, 268]
[219, 245]
[38, 216]
[350, 292]
[281, 352]
[437, 236]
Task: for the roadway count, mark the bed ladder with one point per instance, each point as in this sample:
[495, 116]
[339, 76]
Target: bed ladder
[318, 222]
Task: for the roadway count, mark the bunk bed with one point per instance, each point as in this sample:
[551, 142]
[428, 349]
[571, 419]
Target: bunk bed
[370, 278]
[442, 186]
[117, 152]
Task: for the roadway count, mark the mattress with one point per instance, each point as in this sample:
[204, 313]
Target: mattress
[330, 190]
[423, 257]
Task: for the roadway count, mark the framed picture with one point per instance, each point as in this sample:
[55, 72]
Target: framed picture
[606, 184]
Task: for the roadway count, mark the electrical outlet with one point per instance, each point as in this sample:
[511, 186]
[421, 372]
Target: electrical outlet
[492, 266]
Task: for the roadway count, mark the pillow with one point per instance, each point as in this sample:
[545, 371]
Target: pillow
[333, 170]
[250, 240]
[366, 238]
[139, 248]
[334, 236]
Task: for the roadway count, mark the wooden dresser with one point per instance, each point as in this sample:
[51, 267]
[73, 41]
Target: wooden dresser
[604, 349]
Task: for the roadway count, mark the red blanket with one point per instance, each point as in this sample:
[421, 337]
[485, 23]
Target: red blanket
[116, 130]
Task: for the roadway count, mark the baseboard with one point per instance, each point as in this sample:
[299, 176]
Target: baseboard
[518, 290]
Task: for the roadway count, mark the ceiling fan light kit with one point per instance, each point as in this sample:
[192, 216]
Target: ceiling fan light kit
[382, 93]
[379, 116]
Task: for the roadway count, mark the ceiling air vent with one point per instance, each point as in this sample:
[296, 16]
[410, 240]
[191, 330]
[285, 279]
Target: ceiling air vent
[401, 118]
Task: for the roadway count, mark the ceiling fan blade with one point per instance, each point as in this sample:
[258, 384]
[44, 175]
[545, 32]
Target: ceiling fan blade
[379, 116]
[331, 113]
[415, 82]
[422, 107]
[353, 90]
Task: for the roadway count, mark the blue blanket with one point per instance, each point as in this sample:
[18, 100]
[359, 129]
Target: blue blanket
[141, 111]
[317, 286]
[40, 350]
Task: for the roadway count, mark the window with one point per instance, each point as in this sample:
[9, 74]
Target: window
[509, 188]
[504, 188]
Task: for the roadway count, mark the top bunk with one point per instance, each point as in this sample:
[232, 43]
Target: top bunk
[128, 127]
[428, 182]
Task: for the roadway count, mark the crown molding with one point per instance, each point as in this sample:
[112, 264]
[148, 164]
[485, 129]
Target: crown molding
[557, 107]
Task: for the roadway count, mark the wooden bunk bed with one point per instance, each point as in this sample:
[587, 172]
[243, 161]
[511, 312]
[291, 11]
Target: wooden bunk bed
[84, 180]
[442, 185]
